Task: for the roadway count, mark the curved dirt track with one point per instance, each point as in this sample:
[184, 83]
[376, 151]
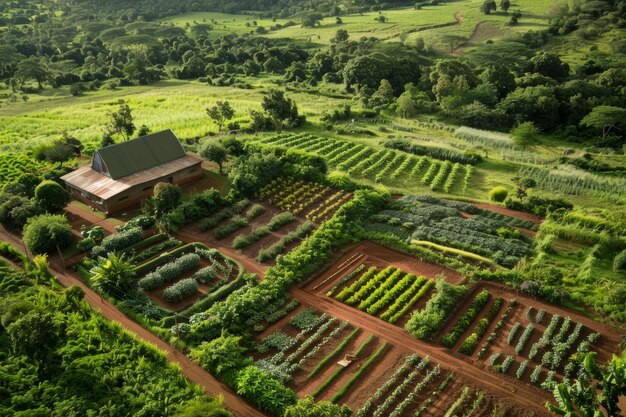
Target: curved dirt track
[193, 372]
[523, 396]
[510, 212]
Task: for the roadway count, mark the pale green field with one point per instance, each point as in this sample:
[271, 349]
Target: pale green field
[179, 105]
[412, 22]
[225, 23]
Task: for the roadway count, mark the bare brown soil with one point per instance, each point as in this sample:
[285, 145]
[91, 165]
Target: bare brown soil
[510, 212]
[247, 255]
[524, 395]
[79, 216]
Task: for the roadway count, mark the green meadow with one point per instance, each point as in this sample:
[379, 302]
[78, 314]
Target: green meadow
[404, 24]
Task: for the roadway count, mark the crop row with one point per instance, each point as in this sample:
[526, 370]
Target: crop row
[224, 214]
[279, 246]
[276, 222]
[494, 334]
[463, 323]
[469, 344]
[407, 381]
[409, 362]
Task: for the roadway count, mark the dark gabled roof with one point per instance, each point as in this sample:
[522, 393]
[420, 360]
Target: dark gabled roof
[87, 179]
[139, 154]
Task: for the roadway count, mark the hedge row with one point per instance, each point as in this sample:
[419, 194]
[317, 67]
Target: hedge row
[179, 291]
[118, 242]
[170, 271]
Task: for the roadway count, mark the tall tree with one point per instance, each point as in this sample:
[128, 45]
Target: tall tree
[341, 36]
[524, 134]
[35, 335]
[279, 108]
[488, 6]
[505, 5]
[216, 153]
[220, 113]
[122, 121]
[605, 118]
[33, 69]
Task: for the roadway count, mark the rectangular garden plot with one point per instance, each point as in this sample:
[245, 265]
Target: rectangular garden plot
[179, 278]
[381, 281]
[524, 340]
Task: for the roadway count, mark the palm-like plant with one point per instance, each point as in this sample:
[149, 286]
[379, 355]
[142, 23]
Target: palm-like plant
[584, 398]
[112, 274]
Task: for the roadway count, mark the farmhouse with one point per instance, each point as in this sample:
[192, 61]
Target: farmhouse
[122, 175]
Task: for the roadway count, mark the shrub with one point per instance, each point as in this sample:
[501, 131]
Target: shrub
[86, 244]
[169, 271]
[255, 211]
[181, 290]
[280, 220]
[513, 332]
[305, 319]
[16, 210]
[425, 322]
[278, 247]
[118, 242]
[205, 275]
[498, 194]
[44, 233]
[619, 263]
[236, 222]
[51, 196]
[264, 391]
[143, 221]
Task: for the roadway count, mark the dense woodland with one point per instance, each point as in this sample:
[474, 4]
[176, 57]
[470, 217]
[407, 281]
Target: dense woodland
[496, 89]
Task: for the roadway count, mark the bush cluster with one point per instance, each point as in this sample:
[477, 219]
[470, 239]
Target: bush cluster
[169, 271]
[143, 221]
[180, 290]
[425, 322]
[44, 233]
[118, 241]
[205, 275]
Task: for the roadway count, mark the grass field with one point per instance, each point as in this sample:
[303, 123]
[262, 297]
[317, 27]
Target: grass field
[409, 21]
[180, 105]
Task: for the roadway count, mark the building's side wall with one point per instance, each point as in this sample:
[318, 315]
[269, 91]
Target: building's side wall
[85, 197]
[135, 195]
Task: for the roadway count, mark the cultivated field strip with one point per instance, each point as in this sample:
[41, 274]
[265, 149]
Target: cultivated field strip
[385, 166]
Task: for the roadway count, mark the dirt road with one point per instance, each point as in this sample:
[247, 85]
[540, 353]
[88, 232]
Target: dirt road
[527, 397]
[193, 372]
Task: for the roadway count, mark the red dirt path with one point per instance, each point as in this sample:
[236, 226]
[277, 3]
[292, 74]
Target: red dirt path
[236, 404]
[510, 212]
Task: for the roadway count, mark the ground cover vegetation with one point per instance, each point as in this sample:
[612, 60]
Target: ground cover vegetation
[53, 341]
